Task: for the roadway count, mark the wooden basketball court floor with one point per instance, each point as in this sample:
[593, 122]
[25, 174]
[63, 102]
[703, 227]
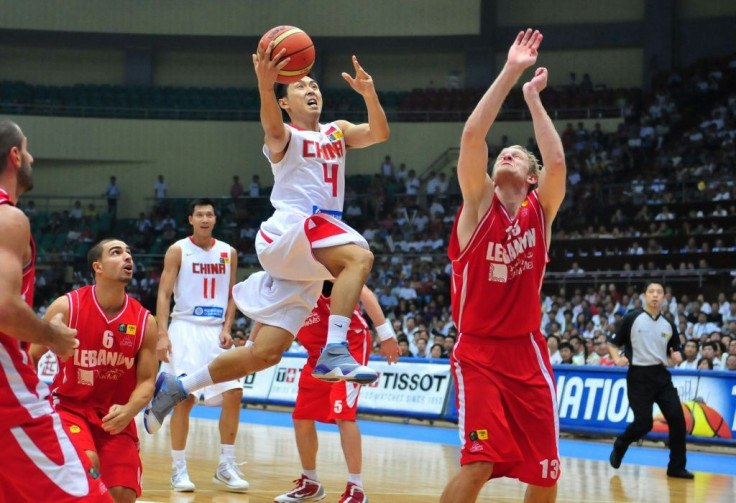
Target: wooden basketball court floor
[410, 464]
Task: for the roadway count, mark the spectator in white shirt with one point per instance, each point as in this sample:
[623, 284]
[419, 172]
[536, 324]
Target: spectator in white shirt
[160, 188]
[691, 356]
[412, 184]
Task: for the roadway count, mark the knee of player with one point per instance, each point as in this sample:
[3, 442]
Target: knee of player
[122, 494]
[479, 472]
[268, 357]
[235, 394]
[187, 404]
[364, 260]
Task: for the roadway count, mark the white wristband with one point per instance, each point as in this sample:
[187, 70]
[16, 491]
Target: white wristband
[249, 343]
[385, 332]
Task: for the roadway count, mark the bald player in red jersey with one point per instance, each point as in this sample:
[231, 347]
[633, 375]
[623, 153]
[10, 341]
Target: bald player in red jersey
[40, 462]
[110, 378]
[334, 402]
[506, 397]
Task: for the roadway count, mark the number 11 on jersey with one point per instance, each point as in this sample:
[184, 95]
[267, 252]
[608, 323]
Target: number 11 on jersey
[209, 282]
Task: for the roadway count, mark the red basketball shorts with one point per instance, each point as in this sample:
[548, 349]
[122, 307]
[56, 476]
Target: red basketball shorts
[40, 463]
[120, 462]
[507, 406]
[325, 401]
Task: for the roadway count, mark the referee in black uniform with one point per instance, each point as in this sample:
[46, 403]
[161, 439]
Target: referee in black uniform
[651, 343]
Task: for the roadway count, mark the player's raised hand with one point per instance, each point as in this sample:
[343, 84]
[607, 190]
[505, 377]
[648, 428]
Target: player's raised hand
[537, 84]
[362, 83]
[390, 349]
[63, 339]
[523, 52]
[117, 419]
[267, 69]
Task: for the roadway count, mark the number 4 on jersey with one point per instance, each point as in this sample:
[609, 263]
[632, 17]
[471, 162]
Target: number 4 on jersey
[330, 172]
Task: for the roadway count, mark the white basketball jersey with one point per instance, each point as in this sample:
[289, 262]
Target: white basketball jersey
[203, 285]
[310, 178]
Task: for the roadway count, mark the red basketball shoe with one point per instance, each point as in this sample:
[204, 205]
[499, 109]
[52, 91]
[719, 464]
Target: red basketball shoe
[306, 490]
[353, 494]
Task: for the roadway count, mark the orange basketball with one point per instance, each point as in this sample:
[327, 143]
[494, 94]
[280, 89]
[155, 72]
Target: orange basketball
[701, 420]
[299, 48]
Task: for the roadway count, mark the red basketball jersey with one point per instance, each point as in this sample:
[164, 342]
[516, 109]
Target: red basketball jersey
[313, 333]
[102, 371]
[21, 392]
[497, 277]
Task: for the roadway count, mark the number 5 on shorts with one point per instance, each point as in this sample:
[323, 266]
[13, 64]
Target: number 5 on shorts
[337, 407]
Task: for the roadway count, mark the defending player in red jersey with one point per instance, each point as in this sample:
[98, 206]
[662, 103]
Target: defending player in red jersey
[334, 402]
[109, 378]
[506, 398]
[40, 462]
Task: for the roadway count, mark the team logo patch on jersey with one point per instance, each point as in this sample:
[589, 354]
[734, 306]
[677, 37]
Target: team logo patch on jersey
[334, 134]
[478, 435]
[74, 429]
[85, 377]
[498, 273]
[131, 329]
[665, 335]
[122, 327]
[224, 258]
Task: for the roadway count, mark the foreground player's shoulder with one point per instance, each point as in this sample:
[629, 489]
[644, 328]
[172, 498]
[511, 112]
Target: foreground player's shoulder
[14, 224]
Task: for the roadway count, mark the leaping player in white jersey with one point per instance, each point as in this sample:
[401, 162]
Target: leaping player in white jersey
[303, 243]
[199, 271]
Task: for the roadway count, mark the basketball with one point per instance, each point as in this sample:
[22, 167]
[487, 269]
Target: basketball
[707, 422]
[701, 420]
[299, 48]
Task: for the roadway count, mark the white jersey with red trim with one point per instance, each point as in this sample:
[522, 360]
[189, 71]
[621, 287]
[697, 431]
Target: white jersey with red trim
[202, 287]
[309, 179]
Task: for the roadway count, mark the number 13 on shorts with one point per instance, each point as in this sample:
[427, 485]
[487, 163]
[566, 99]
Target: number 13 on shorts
[550, 468]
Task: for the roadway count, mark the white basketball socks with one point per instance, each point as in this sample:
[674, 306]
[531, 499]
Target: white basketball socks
[197, 380]
[227, 453]
[337, 332]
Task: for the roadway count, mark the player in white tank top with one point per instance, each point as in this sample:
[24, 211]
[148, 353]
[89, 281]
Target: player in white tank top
[203, 285]
[200, 272]
[301, 248]
[308, 162]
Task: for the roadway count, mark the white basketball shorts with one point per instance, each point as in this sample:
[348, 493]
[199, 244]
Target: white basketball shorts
[194, 346]
[284, 294]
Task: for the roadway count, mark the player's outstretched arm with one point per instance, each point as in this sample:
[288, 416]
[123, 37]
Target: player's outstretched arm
[472, 168]
[146, 365]
[276, 133]
[17, 319]
[552, 180]
[386, 333]
[376, 130]
[172, 263]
